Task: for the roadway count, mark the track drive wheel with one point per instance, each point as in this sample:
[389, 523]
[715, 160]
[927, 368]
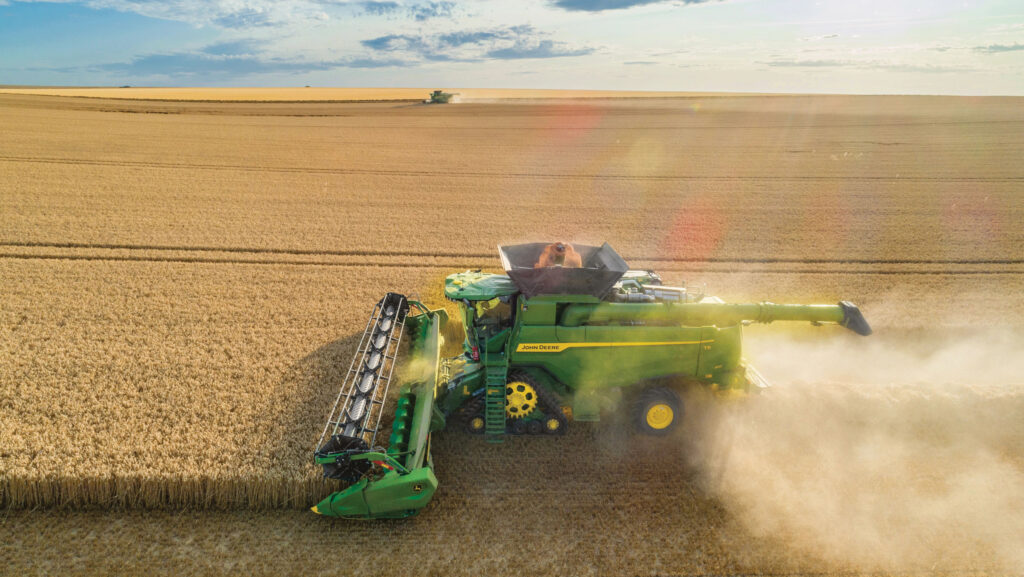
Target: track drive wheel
[529, 397]
[657, 411]
[520, 395]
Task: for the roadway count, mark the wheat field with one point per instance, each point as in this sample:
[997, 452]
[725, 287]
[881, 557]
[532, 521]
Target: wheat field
[181, 285]
[320, 94]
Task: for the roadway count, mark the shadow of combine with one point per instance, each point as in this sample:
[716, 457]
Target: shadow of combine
[304, 397]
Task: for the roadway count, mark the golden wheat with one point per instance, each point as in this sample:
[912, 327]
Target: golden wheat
[307, 94]
[663, 181]
[180, 293]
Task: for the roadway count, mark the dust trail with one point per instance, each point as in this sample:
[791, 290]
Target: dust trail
[897, 452]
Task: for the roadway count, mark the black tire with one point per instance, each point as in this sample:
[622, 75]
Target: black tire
[476, 425]
[534, 427]
[518, 427]
[657, 411]
[472, 415]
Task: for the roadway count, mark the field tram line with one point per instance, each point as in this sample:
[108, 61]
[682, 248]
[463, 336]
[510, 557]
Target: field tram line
[508, 175]
[266, 256]
[231, 261]
[238, 249]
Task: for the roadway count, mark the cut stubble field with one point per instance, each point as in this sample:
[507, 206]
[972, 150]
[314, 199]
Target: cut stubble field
[182, 284]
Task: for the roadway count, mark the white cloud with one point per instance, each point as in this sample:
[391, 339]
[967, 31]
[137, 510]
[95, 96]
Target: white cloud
[886, 65]
[816, 38]
[221, 13]
[1007, 27]
[569, 43]
[501, 43]
[247, 14]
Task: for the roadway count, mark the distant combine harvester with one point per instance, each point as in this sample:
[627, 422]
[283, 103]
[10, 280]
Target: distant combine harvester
[440, 97]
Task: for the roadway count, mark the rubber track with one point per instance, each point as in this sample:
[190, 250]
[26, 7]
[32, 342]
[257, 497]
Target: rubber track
[472, 408]
[527, 175]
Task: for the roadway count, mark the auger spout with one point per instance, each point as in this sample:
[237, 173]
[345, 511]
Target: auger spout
[711, 313]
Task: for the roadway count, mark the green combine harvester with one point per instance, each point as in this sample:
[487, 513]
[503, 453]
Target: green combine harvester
[567, 333]
[440, 97]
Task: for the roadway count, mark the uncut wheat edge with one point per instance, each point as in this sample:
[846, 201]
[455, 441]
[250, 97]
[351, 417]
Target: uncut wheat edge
[134, 492]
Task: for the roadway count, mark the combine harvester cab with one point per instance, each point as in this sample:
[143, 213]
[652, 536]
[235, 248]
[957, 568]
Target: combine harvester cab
[568, 333]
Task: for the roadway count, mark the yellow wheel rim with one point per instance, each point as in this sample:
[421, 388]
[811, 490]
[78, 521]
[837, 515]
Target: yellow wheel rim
[552, 424]
[477, 423]
[659, 416]
[520, 399]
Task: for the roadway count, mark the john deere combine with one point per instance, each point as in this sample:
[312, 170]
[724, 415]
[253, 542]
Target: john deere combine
[566, 334]
[439, 97]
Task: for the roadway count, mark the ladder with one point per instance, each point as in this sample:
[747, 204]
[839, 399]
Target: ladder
[494, 400]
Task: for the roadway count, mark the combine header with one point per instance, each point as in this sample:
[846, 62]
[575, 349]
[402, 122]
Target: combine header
[568, 333]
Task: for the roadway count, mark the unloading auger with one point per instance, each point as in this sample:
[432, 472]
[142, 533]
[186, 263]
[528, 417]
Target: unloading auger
[568, 333]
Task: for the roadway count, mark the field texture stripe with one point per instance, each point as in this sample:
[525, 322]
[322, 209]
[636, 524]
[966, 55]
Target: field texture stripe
[488, 255]
[113, 258]
[197, 260]
[527, 175]
[238, 249]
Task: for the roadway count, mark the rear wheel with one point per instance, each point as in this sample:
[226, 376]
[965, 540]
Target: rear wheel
[657, 411]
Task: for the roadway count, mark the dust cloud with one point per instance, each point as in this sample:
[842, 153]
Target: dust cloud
[896, 452]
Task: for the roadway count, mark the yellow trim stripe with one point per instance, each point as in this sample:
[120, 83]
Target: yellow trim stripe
[559, 347]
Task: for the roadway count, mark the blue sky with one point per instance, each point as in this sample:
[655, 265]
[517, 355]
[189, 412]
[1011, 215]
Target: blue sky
[855, 46]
